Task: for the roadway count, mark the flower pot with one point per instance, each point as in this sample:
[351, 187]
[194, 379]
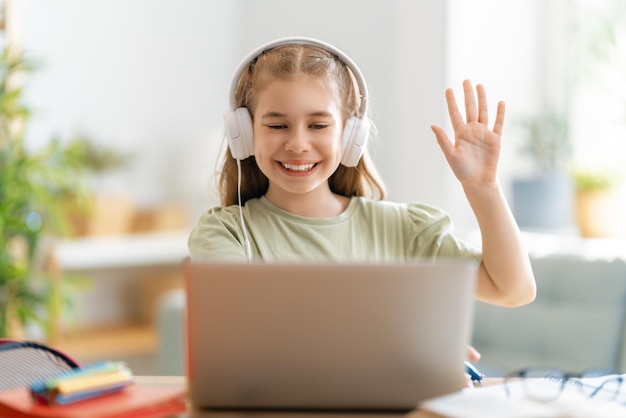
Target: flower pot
[597, 213]
[543, 202]
[106, 214]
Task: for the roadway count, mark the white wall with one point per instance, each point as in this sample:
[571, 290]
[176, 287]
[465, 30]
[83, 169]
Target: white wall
[142, 76]
[151, 77]
[494, 42]
[519, 51]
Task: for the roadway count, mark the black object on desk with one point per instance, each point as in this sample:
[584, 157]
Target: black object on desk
[475, 374]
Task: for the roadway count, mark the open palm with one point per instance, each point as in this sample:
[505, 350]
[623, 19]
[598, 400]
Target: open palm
[474, 154]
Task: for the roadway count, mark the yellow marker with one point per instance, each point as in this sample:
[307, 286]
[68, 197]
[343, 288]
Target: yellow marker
[95, 381]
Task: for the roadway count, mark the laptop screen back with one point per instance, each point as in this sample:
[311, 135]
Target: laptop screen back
[327, 336]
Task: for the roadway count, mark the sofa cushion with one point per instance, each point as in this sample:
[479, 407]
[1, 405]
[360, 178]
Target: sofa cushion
[575, 323]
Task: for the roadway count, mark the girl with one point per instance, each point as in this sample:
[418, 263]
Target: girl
[311, 192]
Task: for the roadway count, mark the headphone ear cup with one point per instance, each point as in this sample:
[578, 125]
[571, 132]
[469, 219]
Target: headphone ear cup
[239, 134]
[355, 136]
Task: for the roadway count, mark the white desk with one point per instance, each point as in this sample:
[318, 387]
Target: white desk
[128, 251]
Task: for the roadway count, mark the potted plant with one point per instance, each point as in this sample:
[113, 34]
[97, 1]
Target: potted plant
[597, 202]
[99, 213]
[543, 199]
[30, 209]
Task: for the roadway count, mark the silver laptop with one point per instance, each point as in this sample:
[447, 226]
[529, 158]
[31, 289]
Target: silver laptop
[357, 337]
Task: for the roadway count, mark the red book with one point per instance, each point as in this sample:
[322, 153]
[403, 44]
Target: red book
[135, 401]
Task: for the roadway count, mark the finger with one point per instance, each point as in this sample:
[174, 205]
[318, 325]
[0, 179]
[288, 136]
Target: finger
[499, 124]
[483, 113]
[472, 353]
[453, 110]
[470, 102]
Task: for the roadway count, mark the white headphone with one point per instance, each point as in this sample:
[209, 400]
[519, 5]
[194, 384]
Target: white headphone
[238, 120]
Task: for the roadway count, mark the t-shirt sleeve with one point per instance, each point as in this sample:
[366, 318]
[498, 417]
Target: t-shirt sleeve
[430, 235]
[217, 235]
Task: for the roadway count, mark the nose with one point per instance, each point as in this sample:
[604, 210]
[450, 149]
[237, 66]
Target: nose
[298, 141]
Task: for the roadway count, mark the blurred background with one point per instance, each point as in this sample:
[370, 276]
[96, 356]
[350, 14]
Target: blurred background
[145, 83]
[150, 78]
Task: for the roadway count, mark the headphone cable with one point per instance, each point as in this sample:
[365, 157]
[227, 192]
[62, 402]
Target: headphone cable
[246, 241]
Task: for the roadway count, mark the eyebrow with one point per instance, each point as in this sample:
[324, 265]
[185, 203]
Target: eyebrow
[272, 114]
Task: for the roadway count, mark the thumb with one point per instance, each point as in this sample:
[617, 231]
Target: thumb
[472, 353]
[442, 139]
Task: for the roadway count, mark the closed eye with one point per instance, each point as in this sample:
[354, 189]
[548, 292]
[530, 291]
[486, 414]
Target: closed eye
[277, 126]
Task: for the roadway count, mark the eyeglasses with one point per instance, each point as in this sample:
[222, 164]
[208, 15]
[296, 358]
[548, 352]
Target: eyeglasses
[547, 384]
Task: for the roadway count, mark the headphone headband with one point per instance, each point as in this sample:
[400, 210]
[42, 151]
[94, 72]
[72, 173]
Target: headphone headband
[238, 121]
[360, 80]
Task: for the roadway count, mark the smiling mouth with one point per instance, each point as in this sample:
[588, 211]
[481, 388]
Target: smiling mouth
[298, 167]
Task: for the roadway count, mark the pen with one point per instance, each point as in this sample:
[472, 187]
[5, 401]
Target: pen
[474, 373]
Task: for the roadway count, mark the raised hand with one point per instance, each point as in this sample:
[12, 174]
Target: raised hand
[474, 154]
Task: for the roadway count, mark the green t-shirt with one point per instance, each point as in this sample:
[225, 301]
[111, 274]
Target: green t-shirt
[367, 231]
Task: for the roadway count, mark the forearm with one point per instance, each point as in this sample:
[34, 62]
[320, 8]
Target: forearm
[505, 275]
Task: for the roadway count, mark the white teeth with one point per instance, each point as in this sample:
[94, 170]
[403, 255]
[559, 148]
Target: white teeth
[294, 167]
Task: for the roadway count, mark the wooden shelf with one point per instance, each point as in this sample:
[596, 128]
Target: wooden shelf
[145, 264]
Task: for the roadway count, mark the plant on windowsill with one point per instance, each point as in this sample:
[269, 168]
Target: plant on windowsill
[597, 202]
[543, 200]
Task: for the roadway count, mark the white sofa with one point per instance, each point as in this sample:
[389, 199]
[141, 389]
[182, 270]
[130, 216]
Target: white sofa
[577, 321]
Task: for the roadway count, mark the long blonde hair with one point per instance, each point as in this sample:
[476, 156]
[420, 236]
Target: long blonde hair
[283, 63]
